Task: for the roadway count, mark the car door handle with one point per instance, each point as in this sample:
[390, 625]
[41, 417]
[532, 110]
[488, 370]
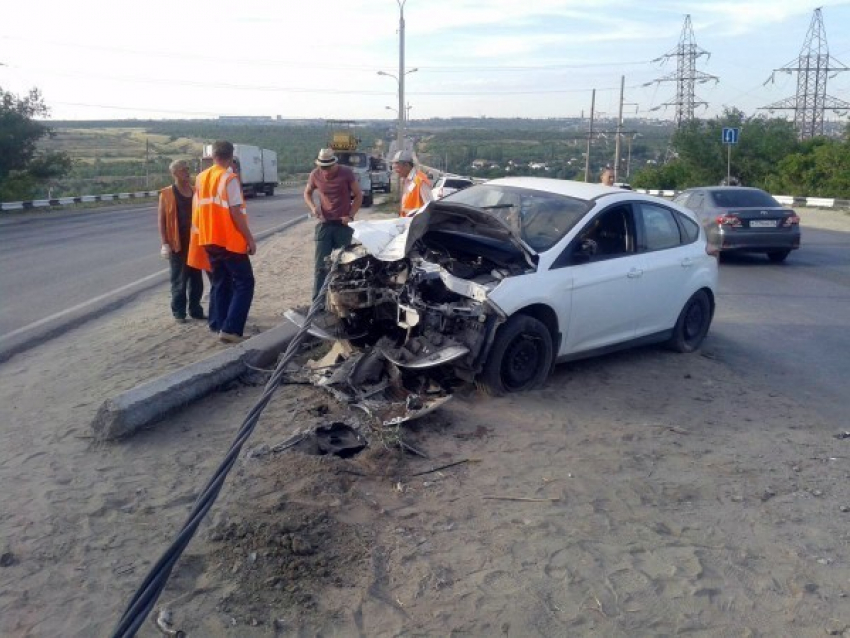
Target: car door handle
[634, 273]
[687, 262]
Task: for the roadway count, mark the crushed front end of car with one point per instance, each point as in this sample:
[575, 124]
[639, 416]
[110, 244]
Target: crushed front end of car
[411, 297]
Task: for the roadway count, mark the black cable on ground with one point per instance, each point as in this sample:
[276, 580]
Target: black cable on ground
[143, 601]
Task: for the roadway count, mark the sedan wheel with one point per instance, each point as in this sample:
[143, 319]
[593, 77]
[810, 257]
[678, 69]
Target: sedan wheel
[692, 324]
[778, 256]
[520, 357]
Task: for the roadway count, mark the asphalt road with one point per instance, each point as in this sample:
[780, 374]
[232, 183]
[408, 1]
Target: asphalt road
[50, 262]
[789, 324]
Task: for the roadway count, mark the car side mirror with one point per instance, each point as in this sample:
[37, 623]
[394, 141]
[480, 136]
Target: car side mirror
[584, 250]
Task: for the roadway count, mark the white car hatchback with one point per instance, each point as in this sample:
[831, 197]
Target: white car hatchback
[500, 281]
[448, 184]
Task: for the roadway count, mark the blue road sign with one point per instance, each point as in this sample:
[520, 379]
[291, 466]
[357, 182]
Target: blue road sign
[730, 135]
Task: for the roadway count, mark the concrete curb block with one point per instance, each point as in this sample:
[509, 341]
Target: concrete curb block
[27, 337]
[125, 414]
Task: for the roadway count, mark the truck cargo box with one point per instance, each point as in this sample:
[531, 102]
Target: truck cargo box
[270, 168]
[250, 163]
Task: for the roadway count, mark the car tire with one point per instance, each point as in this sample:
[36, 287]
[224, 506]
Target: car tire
[692, 324]
[778, 256]
[520, 357]
[367, 200]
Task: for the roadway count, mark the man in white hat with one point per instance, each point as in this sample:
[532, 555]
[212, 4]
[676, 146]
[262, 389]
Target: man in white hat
[339, 200]
[415, 187]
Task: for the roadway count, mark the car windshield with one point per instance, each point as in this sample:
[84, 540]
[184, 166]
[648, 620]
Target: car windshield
[457, 183]
[537, 217]
[743, 199]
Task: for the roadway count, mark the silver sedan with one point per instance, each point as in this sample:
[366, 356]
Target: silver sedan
[742, 219]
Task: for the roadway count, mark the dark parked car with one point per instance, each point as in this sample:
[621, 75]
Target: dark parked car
[737, 218]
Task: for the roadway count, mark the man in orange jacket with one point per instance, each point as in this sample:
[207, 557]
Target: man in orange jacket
[415, 187]
[222, 229]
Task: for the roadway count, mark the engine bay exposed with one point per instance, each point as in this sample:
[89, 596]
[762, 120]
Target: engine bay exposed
[415, 294]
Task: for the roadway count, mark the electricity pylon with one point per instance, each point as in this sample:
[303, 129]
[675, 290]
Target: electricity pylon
[813, 69]
[686, 76]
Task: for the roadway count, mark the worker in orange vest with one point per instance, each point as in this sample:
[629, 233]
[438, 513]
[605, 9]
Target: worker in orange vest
[175, 223]
[415, 187]
[222, 229]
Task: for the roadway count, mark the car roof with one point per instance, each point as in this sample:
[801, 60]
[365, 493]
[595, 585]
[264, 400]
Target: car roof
[580, 190]
[724, 188]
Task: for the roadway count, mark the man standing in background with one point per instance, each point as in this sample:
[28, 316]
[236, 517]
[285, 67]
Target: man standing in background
[415, 187]
[175, 222]
[340, 198]
[222, 225]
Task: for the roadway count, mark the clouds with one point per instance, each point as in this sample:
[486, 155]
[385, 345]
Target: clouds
[303, 59]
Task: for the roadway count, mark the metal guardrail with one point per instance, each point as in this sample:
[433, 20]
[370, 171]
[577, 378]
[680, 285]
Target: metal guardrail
[68, 201]
[785, 200]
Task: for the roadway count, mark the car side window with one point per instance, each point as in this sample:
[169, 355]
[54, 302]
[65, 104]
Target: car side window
[608, 235]
[660, 229]
[689, 228]
[696, 202]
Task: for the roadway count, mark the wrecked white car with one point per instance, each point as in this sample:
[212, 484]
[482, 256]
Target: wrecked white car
[498, 282]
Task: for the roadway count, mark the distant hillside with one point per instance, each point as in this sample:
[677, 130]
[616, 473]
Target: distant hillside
[131, 155]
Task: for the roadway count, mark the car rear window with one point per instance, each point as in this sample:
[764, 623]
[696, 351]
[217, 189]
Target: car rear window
[457, 183]
[743, 199]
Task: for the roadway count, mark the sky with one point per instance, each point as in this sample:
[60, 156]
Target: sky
[499, 58]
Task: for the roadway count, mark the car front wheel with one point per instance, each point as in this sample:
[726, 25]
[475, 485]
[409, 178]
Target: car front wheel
[520, 358]
[692, 324]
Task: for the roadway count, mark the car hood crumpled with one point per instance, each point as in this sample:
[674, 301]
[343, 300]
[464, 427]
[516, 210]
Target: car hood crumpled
[393, 239]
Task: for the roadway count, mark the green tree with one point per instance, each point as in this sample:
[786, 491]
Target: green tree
[701, 156]
[820, 169]
[23, 167]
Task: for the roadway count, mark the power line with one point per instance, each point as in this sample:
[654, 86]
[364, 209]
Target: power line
[311, 64]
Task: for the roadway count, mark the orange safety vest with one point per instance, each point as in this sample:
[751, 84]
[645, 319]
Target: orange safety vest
[169, 204]
[212, 211]
[412, 197]
[197, 256]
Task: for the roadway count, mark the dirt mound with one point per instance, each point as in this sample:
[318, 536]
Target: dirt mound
[284, 558]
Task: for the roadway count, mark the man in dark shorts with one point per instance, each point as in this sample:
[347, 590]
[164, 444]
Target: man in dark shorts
[175, 222]
[339, 200]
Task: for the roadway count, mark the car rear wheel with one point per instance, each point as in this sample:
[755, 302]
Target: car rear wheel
[520, 358]
[692, 324]
[778, 256]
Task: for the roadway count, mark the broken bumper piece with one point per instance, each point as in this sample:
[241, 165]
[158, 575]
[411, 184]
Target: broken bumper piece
[371, 382]
[324, 326]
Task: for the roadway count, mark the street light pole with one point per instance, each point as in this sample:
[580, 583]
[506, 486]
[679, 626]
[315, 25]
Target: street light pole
[400, 140]
[400, 113]
[589, 137]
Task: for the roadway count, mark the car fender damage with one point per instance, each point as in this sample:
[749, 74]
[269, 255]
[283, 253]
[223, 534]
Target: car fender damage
[409, 311]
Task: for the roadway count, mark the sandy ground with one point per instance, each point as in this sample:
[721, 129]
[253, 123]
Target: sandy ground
[640, 494]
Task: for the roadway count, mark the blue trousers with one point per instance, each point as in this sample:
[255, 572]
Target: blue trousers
[231, 291]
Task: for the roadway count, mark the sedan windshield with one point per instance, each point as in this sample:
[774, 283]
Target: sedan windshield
[743, 199]
[539, 218]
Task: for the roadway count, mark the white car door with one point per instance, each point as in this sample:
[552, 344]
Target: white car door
[602, 272]
[669, 261]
